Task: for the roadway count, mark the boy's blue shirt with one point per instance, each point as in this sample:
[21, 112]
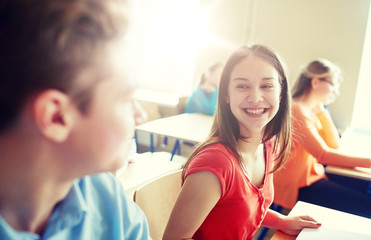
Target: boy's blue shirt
[95, 208]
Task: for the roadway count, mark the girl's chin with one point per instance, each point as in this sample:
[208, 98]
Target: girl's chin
[328, 102]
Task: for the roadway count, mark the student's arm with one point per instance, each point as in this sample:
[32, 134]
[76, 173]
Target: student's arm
[287, 224]
[329, 132]
[313, 143]
[199, 194]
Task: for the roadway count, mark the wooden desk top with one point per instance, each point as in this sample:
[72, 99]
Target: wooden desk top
[357, 144]
[281, 236]
[192, 127]
[329, 218]
[357, 172]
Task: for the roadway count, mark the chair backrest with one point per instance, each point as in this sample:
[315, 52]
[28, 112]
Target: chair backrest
[151, 108]
[181, 104]
[157, 198]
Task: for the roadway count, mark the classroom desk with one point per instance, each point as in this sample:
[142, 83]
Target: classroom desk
[331, 219]
[190, 127]
[357, 172]
[145, 167]
[354, 143]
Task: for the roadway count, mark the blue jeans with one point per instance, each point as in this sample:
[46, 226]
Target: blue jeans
[340, 196]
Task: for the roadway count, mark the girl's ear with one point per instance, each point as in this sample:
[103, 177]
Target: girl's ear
[226, 99]
[53, 113]
[315, 82]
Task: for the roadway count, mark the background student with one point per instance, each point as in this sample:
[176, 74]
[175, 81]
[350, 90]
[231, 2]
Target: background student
[315, 143]
[66, 115]
[203, 98]
[228, 180]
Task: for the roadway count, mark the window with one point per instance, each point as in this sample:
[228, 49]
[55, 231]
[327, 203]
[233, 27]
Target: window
[162, 44]
[361, 118]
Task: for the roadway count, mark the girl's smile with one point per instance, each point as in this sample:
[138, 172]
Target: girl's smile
[255, 112]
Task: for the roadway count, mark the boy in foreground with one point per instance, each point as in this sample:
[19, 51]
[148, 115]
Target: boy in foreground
[66, 115]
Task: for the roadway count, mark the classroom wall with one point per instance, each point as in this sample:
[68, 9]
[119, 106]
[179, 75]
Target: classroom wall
[300, 31]
[225, 29]
[161, 44]
[362, 104]
[303, 30]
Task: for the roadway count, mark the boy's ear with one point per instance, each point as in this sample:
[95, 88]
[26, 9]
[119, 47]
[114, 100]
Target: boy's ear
[53, 113]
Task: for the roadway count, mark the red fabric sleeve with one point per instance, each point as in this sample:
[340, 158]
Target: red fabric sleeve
[214, 160]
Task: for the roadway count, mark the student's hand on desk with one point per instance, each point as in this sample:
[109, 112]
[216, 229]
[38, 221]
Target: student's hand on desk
[293, 225]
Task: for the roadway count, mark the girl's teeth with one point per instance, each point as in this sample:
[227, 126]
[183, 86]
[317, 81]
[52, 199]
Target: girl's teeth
[255, 111]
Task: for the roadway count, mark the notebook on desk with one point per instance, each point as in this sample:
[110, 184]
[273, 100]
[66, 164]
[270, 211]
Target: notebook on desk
[325, 233]
[333, 222]
[356, 142]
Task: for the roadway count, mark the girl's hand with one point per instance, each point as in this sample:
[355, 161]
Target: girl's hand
[319, 108]
[293, 225]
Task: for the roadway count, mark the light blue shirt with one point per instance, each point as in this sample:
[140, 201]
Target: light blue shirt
[95, 208]
[201, 102]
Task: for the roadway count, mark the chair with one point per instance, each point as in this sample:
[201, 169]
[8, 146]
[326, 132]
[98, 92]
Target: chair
[151, 108]
[153, 112]
[147, 167]
[157, 198]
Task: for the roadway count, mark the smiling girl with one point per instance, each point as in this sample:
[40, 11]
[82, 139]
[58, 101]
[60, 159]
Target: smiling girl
[228, 180]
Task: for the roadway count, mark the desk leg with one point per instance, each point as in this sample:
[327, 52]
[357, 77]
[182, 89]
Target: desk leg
[136, 139]
[165, 141]
[176, 149]
[152, 144]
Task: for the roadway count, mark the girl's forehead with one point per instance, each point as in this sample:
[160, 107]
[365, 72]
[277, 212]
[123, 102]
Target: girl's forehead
[254, 65]
[335, 76]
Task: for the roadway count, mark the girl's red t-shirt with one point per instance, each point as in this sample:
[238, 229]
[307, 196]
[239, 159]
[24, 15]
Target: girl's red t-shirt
[242, 207]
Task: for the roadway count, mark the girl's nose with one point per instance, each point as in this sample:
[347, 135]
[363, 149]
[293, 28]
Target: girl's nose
[255, 95]
[337, 91]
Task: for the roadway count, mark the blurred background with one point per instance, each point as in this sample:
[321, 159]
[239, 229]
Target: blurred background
[174, 41]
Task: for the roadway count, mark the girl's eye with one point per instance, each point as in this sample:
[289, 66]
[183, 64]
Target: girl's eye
[243, 86]
[268, 86]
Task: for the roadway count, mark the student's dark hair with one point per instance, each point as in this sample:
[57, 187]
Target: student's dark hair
[45, 44]
[225, 128]
[320, 68]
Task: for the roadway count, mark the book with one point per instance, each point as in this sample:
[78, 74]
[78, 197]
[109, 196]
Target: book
[325, 233]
